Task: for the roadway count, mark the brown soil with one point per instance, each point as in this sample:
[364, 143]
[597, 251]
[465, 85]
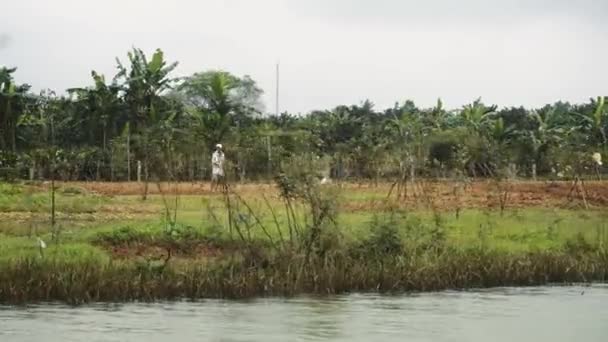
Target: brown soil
[440, 195]
[154, 251]
[443, 195]
[184, 188]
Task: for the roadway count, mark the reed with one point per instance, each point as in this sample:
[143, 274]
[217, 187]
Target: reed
[41, 280]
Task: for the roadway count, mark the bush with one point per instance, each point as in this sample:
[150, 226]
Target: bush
[173, 234]
[181, 236]
[384, 238]
[124, 236]
[444, 149]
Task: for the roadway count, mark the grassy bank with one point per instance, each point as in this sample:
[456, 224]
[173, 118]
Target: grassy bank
[85, 280]
[251, 243]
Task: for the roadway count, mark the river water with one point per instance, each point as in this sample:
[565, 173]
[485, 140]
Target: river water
[504, 314]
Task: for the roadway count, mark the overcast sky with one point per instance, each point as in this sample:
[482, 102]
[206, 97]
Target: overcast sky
[331, 52]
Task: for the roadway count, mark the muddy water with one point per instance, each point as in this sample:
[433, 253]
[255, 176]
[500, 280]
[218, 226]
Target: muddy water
[516, 314]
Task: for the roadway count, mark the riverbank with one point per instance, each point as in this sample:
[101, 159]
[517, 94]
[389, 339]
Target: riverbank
[249, 244]
[43, 280]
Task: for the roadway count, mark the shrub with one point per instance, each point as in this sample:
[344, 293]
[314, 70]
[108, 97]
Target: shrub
[384, 238]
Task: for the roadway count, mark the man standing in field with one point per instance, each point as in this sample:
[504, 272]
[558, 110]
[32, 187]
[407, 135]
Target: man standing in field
[217, 168]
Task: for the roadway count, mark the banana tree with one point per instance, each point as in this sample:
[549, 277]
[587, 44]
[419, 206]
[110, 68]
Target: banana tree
[409, 131]
[476, 116]
[336, 131]
[143, 84]
[501, 138]
[436, 117]
[546, 133]
[594, 122]
[479, 121]
[101, 108]
[272, 135]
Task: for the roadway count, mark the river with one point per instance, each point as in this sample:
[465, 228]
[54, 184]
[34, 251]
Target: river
[503, 314]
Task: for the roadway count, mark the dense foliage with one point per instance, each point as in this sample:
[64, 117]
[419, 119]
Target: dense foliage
[145, 116]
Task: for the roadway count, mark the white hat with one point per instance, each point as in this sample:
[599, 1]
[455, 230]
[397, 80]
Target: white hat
[597, 158]
[218, 146]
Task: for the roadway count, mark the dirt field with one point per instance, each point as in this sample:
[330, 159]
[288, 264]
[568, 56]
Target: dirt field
[441, 195]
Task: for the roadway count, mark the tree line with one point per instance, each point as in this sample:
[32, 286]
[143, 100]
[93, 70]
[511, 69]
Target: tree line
[147, 122]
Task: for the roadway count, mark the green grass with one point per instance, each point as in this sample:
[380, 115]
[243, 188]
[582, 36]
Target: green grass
[18, 248]
[516, 230]
[21, 198]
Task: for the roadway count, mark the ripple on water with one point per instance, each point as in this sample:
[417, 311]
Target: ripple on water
[502, 314]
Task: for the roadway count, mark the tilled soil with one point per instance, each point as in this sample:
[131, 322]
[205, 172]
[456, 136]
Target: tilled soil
[440, 195]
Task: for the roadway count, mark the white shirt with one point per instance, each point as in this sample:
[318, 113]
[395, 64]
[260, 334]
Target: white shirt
[217, 163]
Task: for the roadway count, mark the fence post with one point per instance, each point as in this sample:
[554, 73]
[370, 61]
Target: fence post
[139, 171]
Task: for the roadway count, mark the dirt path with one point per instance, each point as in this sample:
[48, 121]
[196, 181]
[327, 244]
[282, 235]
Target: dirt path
[449, 196]
[440, 195]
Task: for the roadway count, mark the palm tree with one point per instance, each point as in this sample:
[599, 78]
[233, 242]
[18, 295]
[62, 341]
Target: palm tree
[208, 94]
[218, 100]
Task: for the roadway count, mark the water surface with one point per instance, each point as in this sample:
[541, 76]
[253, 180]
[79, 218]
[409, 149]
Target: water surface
[504, 314]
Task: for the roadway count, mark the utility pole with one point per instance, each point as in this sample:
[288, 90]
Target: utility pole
[268, 137]
[53, 169]
[277, 92]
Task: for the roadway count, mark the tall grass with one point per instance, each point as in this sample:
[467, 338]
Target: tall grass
[35, 279]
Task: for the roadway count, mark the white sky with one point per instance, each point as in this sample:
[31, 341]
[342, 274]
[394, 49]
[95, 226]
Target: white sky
[332, 52]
